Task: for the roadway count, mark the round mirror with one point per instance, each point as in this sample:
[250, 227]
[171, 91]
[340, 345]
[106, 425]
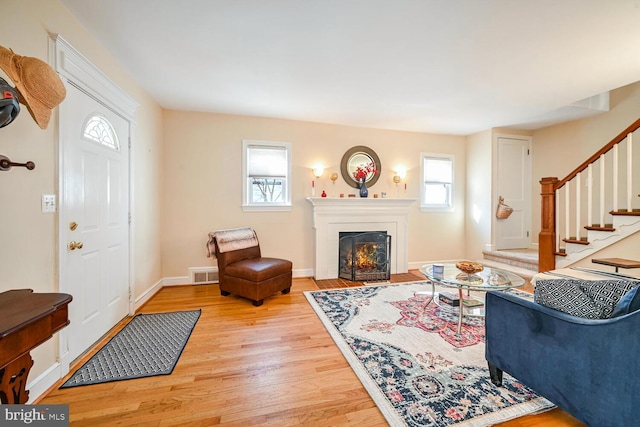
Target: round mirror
[359, 156]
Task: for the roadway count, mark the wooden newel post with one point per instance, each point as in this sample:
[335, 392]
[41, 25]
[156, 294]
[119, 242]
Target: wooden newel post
[547, 236]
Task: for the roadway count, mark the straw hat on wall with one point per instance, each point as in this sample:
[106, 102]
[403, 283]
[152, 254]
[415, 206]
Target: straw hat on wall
[38, 85]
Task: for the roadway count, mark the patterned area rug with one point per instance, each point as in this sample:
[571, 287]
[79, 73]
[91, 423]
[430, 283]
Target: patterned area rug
[149, 345]
[405, 351]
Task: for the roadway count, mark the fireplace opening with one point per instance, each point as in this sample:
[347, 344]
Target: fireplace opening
[364, 256]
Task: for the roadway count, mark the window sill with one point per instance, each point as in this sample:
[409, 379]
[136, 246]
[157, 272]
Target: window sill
[436, 209]
[266, 208]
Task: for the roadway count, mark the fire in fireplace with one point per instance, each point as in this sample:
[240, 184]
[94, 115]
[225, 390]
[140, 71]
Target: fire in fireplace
[364, 256]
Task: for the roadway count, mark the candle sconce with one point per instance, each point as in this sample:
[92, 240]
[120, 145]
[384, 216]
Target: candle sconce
[396, 180]
[334, 178]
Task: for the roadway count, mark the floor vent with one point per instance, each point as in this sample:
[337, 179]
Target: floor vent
[201, 276]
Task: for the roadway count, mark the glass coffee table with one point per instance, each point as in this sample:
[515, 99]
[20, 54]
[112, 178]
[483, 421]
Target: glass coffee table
[489, 279]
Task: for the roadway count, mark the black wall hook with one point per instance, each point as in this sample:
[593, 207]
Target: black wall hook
[6, 164]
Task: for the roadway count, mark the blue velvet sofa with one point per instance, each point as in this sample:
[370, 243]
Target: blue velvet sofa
[587, 367]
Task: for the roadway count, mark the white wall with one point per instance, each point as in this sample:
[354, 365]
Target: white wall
[479, 196]
[203, 186]
[28, 252]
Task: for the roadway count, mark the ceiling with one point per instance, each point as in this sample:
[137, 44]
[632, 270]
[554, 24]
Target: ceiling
[438, 66]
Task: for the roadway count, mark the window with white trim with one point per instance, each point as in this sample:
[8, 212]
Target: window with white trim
[99, 129]
[266, 174]
[437, 182]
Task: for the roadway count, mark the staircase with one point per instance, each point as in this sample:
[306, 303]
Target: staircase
[598, 238]
[523, 262]
[593, 206]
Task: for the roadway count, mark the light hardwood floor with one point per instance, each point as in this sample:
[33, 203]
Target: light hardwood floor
[243, 366]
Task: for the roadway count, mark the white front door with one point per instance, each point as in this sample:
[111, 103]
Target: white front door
[514, 185]
[94, 228]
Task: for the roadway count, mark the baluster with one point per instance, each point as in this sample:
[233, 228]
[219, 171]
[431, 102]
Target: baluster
[578, 203]
[557, 220]
[629, 170]
[615, 177]
[602, 182]
[589, 194]
[566, 210]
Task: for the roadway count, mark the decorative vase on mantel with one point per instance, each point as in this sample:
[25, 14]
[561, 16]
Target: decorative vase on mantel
[363, 188]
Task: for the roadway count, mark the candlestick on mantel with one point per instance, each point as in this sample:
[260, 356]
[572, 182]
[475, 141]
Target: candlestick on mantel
[313, 188]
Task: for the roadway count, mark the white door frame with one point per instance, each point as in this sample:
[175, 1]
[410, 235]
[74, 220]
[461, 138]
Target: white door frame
[80, 72]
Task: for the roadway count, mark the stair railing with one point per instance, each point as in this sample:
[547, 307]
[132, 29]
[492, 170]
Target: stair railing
[551, 231]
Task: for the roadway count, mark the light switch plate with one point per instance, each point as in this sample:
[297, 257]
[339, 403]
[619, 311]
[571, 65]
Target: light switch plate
[48, 203]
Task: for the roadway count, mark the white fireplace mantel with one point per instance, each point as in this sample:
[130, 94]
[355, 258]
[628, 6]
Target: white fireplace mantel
[334, 215]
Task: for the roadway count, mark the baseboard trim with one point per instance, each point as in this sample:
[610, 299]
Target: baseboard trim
[146, 295]
[40, 385]
[186, 280]
[309, 272]
[176, 281]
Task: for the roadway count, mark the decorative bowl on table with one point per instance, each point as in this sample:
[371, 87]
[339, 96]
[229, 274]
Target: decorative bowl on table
[469, 267]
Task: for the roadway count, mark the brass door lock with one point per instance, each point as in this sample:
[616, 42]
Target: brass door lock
[75, 245]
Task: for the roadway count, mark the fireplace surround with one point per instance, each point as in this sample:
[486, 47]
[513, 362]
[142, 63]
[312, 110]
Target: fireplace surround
[332, 215]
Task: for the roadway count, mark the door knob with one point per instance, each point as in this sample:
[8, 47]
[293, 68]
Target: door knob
[75, 245]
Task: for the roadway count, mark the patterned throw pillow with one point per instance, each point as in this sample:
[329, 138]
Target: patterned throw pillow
[629, 303]
[590, 299]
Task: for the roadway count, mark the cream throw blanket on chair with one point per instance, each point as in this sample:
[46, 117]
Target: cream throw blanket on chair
[231, 240]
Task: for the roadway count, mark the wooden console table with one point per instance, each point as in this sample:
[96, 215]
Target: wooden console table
[28, 319]
[617, 262]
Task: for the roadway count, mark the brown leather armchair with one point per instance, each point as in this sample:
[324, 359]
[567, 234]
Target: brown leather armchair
[243, 271]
